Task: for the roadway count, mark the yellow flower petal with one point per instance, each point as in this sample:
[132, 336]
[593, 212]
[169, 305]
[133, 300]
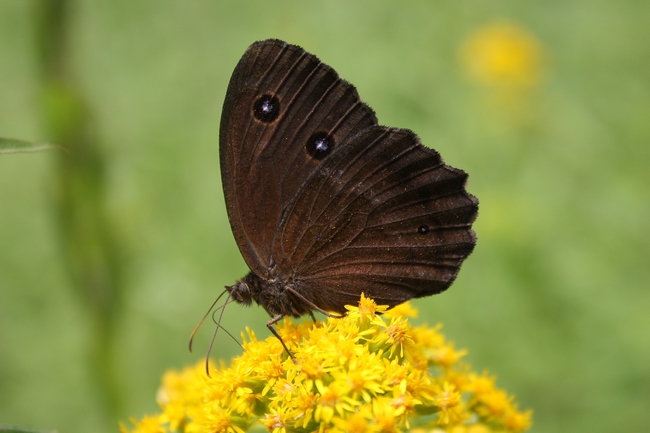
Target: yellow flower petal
[359, 373]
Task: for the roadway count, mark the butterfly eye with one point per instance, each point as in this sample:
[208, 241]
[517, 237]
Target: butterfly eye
[423, 229]
[320, 145]
[266, 108]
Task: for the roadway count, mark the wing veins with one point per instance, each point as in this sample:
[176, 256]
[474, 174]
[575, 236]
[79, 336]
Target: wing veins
[350, 246]
[301, 127]
[378, 169]
[277, 88]
[326, 269]
[420, 201]
[266, 73]
[320, 188]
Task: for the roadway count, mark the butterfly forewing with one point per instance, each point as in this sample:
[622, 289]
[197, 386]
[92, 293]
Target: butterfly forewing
[285, 112]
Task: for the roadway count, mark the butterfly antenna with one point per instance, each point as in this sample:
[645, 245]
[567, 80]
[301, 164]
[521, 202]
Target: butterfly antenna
[231, 336]
[218, 323]
[196, 328]
[207, 355]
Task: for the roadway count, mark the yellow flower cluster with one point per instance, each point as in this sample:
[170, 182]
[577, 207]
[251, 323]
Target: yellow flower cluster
[367, 372]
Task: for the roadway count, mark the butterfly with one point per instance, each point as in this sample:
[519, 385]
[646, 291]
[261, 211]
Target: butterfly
[323, 202]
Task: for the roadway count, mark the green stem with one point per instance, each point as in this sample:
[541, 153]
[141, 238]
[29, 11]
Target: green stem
[87, 241]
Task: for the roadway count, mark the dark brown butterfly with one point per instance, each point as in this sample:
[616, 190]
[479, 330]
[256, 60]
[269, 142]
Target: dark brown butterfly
[324, 203]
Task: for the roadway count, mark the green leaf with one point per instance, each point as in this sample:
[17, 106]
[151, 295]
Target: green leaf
[10, 145]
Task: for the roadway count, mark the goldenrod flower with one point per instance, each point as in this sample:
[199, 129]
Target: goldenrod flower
[368, 372]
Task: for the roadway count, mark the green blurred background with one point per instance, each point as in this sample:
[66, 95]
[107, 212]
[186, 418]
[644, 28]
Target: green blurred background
[110, 253]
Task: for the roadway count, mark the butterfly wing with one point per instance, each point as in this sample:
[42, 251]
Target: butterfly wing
[384, 216]
[284, 111]
[347, 206]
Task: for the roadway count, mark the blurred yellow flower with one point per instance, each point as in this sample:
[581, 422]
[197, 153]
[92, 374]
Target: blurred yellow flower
[366, 372]
[503, 55]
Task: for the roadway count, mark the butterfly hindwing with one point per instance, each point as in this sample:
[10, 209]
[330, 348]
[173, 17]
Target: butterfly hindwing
[384, 216]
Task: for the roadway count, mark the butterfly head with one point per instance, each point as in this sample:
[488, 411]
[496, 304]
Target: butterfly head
[241, 293]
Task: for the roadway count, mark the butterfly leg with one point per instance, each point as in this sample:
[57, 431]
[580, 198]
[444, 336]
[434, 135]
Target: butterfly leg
[311, 304]
[269, 325]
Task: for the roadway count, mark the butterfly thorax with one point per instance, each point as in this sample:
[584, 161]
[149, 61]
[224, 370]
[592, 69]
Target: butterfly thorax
[270, 294]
